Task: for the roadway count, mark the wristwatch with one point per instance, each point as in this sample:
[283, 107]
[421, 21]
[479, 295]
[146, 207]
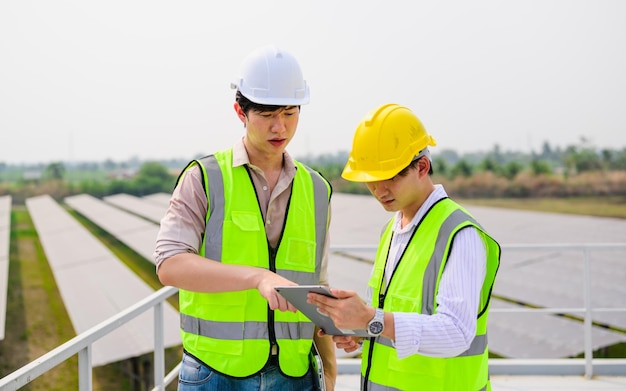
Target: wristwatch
[376, 326]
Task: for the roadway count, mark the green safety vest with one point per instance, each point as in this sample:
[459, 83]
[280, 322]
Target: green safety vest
[413, 288]
[232, 331]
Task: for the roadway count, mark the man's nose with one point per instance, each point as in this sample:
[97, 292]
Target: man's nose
[278, 123]
[380, 187]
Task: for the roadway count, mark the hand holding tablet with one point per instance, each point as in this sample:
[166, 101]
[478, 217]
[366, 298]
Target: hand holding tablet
[297, 295]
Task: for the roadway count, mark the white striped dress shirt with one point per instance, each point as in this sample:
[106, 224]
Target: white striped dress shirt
[450, 331]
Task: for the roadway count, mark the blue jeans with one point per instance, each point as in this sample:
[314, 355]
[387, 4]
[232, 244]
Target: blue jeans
[195, 376]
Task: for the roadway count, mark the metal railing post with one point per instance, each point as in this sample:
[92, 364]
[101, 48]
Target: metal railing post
[84, 369]
[588, 314]
[159, 347]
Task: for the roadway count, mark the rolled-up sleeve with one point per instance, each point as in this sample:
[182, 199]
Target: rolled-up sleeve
[183, 225]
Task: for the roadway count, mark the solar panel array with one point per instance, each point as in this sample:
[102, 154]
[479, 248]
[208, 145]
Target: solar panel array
[136, 232]
[539, 335]
[5, 234]
[152, 211]
[554, 277]
[96, 285]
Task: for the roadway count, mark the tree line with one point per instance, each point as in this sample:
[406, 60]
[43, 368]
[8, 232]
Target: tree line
[577, 170]
[56, 180]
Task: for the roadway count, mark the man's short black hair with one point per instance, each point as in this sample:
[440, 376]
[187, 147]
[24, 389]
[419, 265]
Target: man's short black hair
[412, 165]
[247, 105]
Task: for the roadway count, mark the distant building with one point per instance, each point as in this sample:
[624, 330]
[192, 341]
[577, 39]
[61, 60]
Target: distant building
[123, 173]
[32, 175]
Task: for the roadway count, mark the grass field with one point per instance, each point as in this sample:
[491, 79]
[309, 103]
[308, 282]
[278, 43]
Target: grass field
[37, 320]
[590, 206]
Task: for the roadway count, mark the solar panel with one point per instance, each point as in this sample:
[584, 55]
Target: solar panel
[140, 206]
[137, 233]
[96, 285]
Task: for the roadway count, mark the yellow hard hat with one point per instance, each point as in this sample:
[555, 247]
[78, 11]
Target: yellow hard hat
[384, 143]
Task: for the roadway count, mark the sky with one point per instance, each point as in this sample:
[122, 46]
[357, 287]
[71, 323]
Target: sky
[91, 80]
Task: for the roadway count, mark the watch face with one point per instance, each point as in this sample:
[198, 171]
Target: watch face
[376, 327]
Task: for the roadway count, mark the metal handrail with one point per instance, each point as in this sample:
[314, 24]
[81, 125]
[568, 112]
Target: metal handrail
[82, 343]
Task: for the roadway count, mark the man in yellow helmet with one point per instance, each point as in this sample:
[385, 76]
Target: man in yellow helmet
[435, 267]
[240, 222]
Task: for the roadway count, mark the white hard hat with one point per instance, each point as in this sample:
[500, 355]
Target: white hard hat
[272, 76]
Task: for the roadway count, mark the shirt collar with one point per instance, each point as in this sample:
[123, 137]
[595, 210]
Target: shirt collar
[240, 158]
[240, 155]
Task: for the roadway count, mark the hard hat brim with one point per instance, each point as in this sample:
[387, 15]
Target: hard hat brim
[272, 101]
[362, 176]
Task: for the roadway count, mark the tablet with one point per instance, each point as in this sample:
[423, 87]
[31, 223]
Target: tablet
[296, 295]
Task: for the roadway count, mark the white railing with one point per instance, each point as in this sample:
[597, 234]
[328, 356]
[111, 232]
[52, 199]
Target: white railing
[82, 343]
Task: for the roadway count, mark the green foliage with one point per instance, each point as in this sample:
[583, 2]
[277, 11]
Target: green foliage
[440, 166]
[330, 170]
[93, 187]
[540, 167]
[583, 157]
[154, 170]
[152, 178]
[54, 170]
[614, 160]
[489, 164]
[511, 169]
[461, 168]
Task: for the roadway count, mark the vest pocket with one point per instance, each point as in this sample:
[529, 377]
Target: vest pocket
[246, 221]
[241, 239]
[300, 255]
[401, 303]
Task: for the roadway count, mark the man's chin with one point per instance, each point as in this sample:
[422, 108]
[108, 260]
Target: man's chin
[389, 206]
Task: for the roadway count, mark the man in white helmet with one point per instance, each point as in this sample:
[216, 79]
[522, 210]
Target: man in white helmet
[240, 222]
[426, 314]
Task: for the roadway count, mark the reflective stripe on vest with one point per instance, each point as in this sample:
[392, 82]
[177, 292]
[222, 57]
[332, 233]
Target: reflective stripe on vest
[478, 345]
[427, 253]
[431, 276]
[378, 387]
[251, 330]
[231, 331]
[215, 203]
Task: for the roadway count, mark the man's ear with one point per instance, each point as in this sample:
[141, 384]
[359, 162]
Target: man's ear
[240, 113]
[423, 165]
